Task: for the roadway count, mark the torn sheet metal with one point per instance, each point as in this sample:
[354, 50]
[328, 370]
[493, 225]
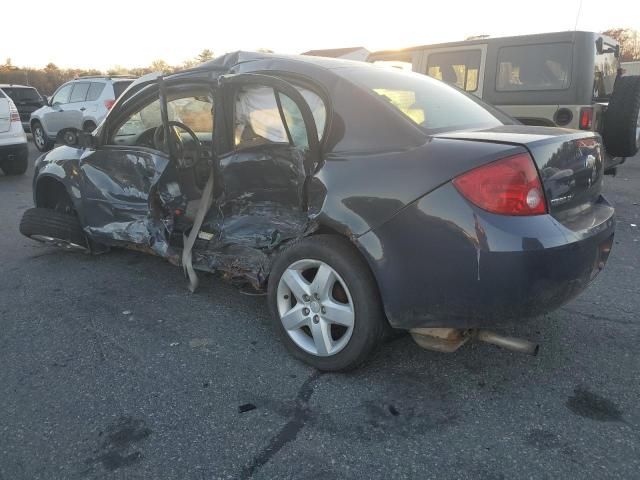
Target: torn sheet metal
[242, 245]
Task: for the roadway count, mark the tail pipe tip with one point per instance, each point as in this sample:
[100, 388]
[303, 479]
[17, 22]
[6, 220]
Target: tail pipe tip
[509, 343]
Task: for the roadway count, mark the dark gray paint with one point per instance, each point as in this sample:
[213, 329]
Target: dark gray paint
[378, 180]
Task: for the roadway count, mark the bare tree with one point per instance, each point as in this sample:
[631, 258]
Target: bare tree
[629, 40]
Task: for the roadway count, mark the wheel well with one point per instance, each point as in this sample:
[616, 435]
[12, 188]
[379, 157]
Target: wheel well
[326, 230]
[49, 192]
[34, 121]
[88, 122]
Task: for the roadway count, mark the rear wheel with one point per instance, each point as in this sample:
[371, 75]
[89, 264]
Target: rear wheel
[621, 132]
[325, 304]
[54, 227]
[17, 165]
[40, 139]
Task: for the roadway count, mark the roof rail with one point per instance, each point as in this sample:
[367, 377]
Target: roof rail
[107, 77]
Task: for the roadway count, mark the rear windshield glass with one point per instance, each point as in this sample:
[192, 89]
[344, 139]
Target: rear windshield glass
[120, 87]
[22, 94]
[431, 104]
[1, 94]
[534, 67]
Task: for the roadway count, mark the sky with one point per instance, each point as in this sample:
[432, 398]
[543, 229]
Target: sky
[130, 33]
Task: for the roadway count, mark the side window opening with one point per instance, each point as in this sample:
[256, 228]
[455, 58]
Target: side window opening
[460, 67]
[258, 120]
[194, 110]
[95, 90]
[534, 67]
[79, 93]
[62, 95]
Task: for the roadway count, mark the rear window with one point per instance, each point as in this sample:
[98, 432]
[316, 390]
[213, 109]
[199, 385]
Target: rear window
[120, 87]
[22, 94]
[431, 104]
[534, 67]
[2, 94]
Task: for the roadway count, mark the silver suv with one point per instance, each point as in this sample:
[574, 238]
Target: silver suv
[81, 103]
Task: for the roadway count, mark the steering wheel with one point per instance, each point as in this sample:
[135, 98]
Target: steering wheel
[183, 161]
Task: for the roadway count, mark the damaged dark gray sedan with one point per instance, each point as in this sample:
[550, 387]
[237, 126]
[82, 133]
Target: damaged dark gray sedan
[360, 198]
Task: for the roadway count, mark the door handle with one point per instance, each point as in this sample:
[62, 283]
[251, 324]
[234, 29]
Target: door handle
[82, 109]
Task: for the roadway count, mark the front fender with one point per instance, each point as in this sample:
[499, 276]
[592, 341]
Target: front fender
[60, 165]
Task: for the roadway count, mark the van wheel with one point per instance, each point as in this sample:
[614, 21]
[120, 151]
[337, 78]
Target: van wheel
[325, 304]
[40, 139]
[54, 228]
[621, 132]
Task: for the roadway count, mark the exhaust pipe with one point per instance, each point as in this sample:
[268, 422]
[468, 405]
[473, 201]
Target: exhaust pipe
[510, 343]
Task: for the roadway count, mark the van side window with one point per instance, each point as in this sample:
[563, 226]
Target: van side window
[460, 67]
[534, 67]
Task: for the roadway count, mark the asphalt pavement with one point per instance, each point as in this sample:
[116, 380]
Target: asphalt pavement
[110, 368]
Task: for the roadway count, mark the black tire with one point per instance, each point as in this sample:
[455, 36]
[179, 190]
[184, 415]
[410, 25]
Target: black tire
[37, 132]
[620, 131]
[370, 324]
[16, 166]
[89, 126]
[63, 227]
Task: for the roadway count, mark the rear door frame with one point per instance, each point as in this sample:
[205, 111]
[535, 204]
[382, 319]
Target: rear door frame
[222, 138]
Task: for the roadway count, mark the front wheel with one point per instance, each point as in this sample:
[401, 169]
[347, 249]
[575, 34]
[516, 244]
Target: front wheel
[40, 139]
[54, 228]
[325, 304]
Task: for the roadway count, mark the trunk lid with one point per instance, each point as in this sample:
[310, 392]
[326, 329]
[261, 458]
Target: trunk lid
[570, 162]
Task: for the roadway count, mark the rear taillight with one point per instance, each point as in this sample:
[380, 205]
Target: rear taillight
[14, 116]
[586, 118]
[510, 186]
[109, 103]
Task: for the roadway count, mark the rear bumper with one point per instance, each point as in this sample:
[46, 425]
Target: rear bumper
[13, 151]
[442, 262]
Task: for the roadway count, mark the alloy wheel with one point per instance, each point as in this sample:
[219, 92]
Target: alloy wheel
[38, 137]
[315, 307]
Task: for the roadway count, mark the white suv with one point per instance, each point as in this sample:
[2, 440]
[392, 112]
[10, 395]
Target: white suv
[13, 141]
[81, 103]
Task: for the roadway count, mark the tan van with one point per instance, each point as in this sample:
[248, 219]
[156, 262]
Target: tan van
[563, 79]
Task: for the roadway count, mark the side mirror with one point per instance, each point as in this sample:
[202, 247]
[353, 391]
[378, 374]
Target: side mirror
[73, 137]
[599, 45]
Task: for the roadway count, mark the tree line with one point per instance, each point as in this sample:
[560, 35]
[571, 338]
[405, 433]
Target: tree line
[49, 78]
